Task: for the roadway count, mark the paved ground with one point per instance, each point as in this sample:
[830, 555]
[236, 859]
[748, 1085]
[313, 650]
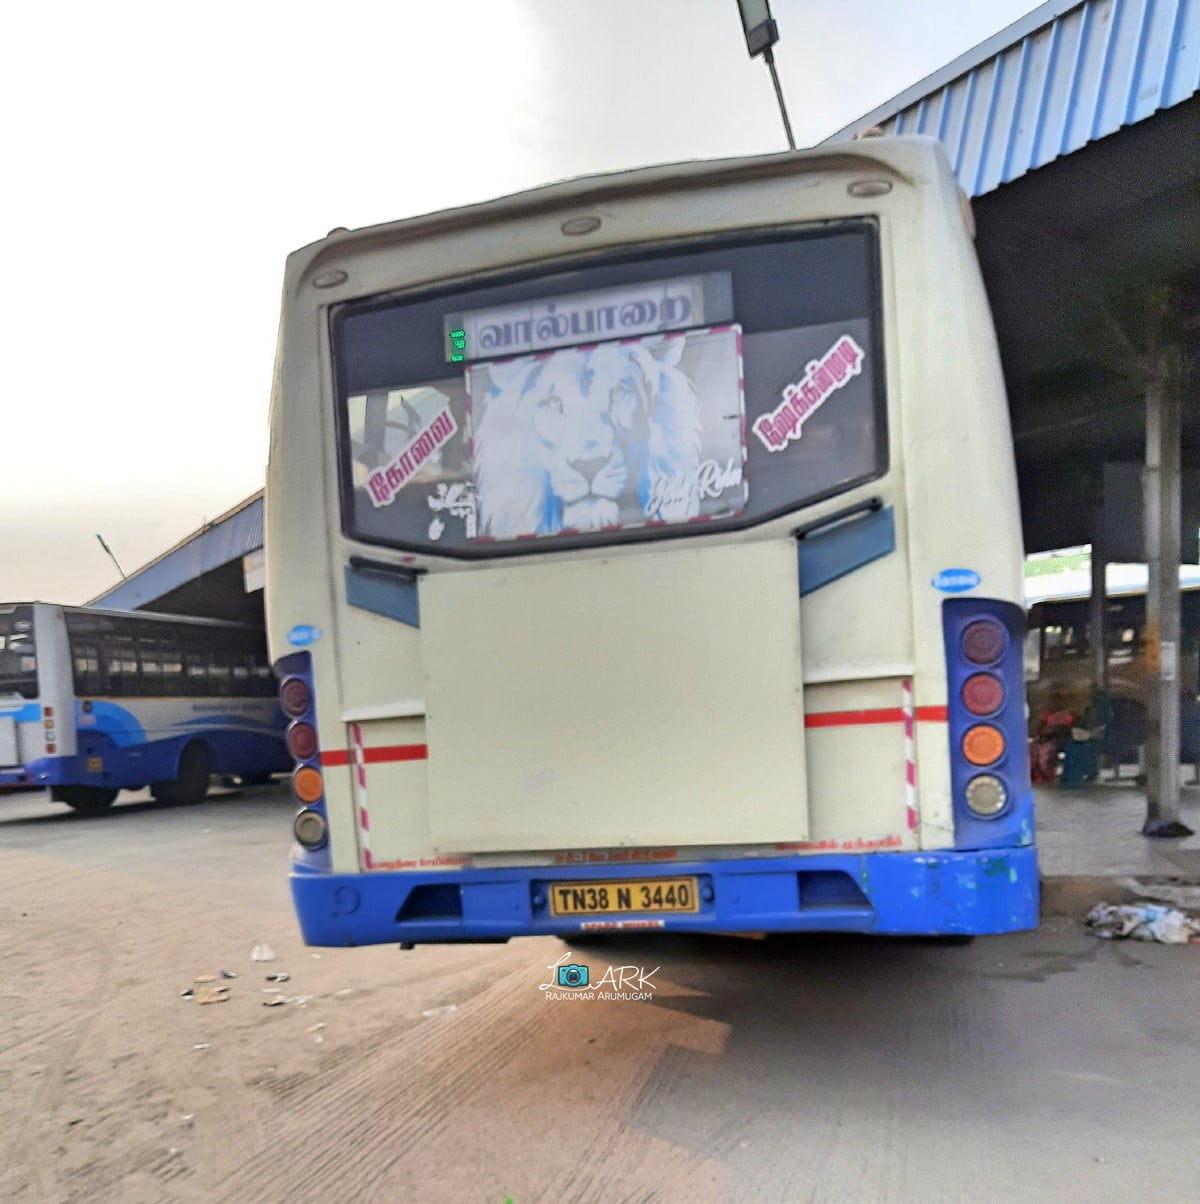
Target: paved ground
[1096, 830]
[1043, 1066]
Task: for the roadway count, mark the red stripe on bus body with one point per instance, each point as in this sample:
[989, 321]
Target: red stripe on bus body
[420, 752]
[863, 718]
[374, 756]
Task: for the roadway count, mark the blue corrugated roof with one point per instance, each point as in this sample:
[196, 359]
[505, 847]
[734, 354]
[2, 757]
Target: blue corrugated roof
[226, 538]
[1061, 77]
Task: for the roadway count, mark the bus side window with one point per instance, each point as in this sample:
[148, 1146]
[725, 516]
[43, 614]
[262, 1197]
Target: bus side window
[195, 663]
[88, 681]
[124, 681]
[172, 668]
[220, 675]
[264, 680]
[150, 653]
[242, 681]
[262, 684]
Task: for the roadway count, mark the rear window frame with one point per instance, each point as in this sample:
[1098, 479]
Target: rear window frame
[504, 548]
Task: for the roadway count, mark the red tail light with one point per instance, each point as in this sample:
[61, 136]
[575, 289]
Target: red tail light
[983, 642]
[302, 741]
[295, 697]
[983, 693]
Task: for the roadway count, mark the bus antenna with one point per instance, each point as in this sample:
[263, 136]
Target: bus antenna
[111, 556]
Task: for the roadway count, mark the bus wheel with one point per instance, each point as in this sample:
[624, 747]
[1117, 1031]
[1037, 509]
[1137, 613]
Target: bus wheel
[190, 787]
[87, 800]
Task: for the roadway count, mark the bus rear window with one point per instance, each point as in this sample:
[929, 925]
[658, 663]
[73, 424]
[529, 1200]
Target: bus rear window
[18, 654]
[723, 386]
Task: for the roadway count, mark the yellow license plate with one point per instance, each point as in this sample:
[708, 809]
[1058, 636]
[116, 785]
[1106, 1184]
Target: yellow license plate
[633, 895]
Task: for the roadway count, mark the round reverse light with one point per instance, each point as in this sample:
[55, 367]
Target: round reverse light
[986, 795]
[983, 641]
[302, 741]
[983, 744]
[982, 693]
[307, 784]
[867, 188]
[581, 225]
[309, 828]
[295, 696]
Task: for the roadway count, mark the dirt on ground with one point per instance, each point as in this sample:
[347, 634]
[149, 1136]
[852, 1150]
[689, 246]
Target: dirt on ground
[366, 1082]
[1035, 1066]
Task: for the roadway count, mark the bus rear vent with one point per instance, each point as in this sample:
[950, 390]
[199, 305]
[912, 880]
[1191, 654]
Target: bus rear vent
[437, 901]
[830, 888]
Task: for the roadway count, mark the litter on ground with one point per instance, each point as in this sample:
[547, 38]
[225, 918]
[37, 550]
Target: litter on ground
[1142, 922]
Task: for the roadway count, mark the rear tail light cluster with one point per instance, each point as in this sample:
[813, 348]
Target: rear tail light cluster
[51, 733]
[987, 718]
[982, 695]
[310, 827]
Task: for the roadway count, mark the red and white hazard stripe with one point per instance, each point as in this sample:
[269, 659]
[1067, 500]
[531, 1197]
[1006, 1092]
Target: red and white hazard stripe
[360, 789]
[910, 752]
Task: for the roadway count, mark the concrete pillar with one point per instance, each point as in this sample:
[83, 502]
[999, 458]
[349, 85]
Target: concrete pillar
[1161, 482]
[1098, 627]
[1098, 613]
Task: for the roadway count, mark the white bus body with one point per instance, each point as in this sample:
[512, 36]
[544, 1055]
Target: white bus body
[93, 702]
[644, 551]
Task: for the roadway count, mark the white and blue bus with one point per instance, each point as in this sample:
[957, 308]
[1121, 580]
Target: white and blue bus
[644, 552]
[93, 702]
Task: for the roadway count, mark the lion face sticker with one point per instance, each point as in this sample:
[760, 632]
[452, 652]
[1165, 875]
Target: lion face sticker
[609, 436]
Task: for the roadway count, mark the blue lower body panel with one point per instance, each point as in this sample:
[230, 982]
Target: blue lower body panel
[46, 771]
[934, 893]
[122, 767]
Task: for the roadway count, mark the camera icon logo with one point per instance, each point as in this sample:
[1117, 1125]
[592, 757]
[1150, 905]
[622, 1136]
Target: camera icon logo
[572, 976]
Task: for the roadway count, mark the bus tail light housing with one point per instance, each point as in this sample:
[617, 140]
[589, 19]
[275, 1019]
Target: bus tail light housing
[309, 828]
[308, 785]
[983, 744]
[297, 701]
[989, 757]
[982, 693]
[302, 740]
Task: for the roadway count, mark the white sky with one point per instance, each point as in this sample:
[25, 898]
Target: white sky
[161, 160]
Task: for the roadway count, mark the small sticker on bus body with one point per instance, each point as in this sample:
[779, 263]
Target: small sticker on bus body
[303, 634]
[955, 581]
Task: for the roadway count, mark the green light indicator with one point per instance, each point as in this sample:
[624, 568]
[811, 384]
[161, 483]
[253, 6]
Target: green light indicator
[457, 359]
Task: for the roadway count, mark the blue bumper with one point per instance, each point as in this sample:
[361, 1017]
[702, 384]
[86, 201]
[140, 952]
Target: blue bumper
[933, 893]
[37, 775]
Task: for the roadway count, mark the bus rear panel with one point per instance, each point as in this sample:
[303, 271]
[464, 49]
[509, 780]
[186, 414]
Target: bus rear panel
[671, 582]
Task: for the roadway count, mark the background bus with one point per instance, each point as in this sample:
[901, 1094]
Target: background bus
[93, 702]
[1059, 661]
[644, 551]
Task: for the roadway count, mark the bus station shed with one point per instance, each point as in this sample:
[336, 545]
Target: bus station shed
[214, 573]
